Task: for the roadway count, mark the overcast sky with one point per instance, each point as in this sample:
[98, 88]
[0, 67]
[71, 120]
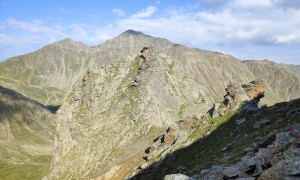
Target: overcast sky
[246, 29]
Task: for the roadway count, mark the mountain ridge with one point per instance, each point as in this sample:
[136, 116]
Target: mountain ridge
[118, 96]
[55, 77]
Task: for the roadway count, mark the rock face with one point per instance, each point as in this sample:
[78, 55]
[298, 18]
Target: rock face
[173, 137]
[106, 108]
[26, 136]
[250, 93]
[178, 177]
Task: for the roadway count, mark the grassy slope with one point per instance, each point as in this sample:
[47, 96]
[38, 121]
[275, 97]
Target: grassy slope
[26, 139]
[206, 152]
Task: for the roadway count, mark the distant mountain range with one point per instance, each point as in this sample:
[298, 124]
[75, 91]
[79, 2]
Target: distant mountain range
[115, 98]
[48, 73]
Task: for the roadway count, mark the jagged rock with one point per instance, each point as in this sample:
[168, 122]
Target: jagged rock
[204, 171]
[174, 135]
[214, 173]
[236, 94]
[170, 137]
[283, 140]
[233, 171]
[281, 158]
[255, 89]
[178, 177]
[215, 112]
[250, 107]
[265, 155]
[261, 123]
[232, 98]
[240, 121]
[222, 111]
[285, 169]
[273, 149]
[225, 159]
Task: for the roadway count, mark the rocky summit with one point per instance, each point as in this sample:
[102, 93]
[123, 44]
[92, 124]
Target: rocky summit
[141, 107]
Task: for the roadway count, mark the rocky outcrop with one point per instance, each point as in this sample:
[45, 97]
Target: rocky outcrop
[174, 135]
[149, 56]
[255, 90]
[178, 177]
[249, 94]
[277, 156]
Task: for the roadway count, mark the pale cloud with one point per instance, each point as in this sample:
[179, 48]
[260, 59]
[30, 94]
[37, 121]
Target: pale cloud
[254, 3]
[286, 39]
[149, 11]
[119, 12]
[34, 26]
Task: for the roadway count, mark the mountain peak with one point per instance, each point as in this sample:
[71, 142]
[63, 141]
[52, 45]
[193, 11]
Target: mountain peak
[132, 32]
[64, 41]
[69, 43]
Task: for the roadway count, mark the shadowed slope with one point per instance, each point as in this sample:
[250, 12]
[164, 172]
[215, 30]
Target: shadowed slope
[226, 142]
[26, 136]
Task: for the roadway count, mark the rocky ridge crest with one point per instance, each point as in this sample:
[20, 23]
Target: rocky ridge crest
[133, 97]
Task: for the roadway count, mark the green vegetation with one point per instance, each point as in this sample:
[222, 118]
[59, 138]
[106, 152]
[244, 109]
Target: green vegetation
[25, 147]
[16, 162]
[181, 111]
[23, 171]
[171, 68]
[131, 93]
[225, 133]
[221, 137]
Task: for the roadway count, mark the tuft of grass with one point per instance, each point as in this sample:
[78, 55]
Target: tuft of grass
[182, 109]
